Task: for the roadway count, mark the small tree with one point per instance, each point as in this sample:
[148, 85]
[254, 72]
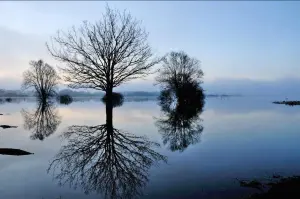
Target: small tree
[105, 54]
[42, 77]
[178, 69]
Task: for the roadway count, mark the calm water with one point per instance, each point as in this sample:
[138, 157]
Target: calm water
[241, 138]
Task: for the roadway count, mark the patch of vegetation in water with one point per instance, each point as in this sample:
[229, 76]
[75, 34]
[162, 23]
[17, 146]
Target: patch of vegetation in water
[7, 126]
[289, 103]
[15, 152]
[117, 99]
[8, 99]
[65, 99]
[277, 187]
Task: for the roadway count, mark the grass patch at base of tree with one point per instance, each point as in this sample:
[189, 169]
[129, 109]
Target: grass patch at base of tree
[65, 99]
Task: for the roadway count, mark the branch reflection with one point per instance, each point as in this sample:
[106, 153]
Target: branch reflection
[105, 159]
[43, 121]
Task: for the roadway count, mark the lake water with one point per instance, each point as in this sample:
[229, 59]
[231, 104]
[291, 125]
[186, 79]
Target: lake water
[242, 138]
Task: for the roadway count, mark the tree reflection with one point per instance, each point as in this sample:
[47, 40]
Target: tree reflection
[104, 159]
[180, 124]
[43, 121]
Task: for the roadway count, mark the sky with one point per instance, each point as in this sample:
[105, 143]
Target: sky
[238, 43]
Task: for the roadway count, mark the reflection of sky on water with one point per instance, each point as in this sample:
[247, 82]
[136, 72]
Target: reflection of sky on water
[242, 137]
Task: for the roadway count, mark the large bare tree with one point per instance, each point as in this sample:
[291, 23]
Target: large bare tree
[42, 77]
[105, 54]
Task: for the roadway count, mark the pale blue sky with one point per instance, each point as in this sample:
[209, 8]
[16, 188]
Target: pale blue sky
[258, 41]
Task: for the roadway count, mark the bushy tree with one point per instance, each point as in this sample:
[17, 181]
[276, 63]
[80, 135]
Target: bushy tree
[42, 78]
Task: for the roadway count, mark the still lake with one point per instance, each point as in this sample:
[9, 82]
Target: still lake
[242, 138]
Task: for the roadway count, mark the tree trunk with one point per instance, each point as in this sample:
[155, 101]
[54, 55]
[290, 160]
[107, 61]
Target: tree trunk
[109, 106]
[109, 92]
[43, 99]
[109, 116]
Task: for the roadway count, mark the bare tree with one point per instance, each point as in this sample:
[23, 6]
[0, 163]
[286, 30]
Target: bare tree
[42, 77]
[178, 68]
[106, 54]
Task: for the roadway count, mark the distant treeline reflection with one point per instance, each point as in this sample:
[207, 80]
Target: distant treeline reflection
[181, 101]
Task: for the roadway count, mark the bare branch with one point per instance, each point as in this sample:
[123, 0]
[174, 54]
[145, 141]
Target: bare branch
[179, 68]
[106, 54]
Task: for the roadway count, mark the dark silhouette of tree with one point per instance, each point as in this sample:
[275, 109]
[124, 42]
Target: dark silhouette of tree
[181, 100]
[105, 159]
[180, 125]
[178, 69]
[105, 54]
[43, 121]
[42, 77]
[181, 107]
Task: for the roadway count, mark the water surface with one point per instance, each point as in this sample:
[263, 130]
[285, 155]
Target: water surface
[242, 138]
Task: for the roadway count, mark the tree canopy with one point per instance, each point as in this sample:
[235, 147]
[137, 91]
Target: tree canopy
[42, 78]
[178, 68]
[105, 54]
